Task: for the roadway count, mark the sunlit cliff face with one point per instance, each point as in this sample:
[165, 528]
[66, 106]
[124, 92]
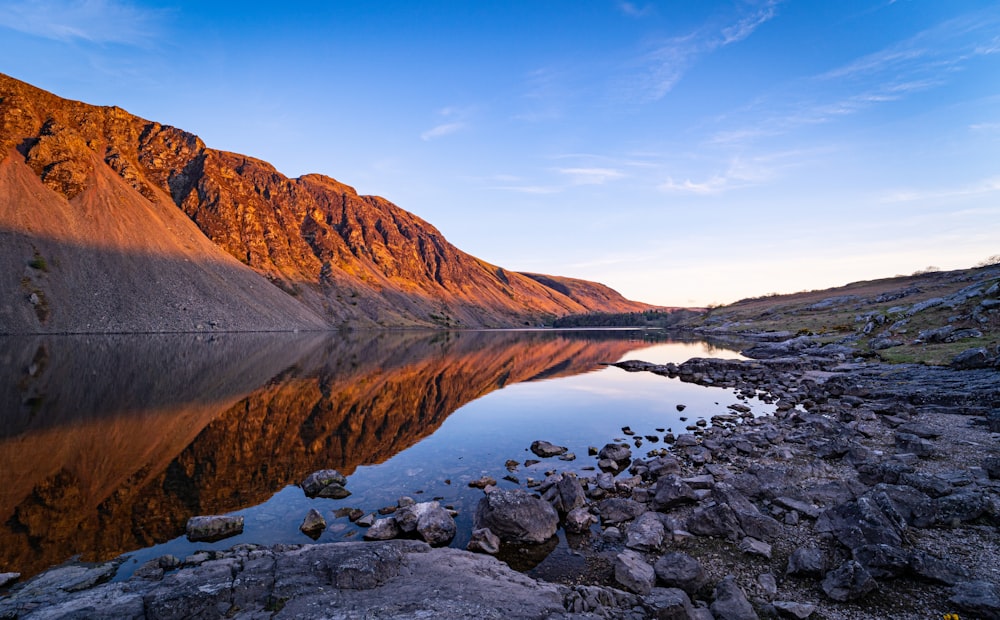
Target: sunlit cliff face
[129, 208]
[109, 444]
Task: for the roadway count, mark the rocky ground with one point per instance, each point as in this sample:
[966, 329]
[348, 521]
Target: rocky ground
[873, 491]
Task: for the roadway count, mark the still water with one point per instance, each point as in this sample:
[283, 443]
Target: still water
[108, 444]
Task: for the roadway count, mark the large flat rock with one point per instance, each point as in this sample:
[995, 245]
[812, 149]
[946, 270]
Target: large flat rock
[400, 578]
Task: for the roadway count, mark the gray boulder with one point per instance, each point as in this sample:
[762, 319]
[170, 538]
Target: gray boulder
[751, 520]
[979, 599]
[716, 520]
[806, 562]
[436, 526]
[333, 491]
[633, 573]
[991, 464]
[680, 570]
[669, 604]
[670, 492]
[383, 529]
[646, 533]
[579, 520]
[926, 566]
[849, 582]
[484, 541]
[429, 520]
[566, 495]
[618, 510]
[752, 546]
[861, 522]
[319, 480]
[791, 609]
[959, 508]
[213, 527]
[730, 602]
[617, 452]
[313, 524]
[972, 358]
[545, 449]
[516, 516]
[911, 444]
[882, 561]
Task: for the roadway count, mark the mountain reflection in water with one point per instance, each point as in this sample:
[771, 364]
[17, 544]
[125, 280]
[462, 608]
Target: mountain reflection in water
[109, 444]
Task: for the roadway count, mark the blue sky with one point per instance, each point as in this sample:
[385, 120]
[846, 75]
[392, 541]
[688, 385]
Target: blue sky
[684, 153]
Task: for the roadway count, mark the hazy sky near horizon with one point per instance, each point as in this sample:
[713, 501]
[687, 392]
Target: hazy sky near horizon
[684, 153]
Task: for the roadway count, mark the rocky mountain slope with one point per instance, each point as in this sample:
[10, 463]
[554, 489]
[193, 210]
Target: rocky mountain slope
[931, 317]
[116, 223]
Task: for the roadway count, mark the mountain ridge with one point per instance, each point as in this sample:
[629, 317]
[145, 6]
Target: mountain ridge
[340, 259]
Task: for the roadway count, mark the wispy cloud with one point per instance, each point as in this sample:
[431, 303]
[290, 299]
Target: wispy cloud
[633, 10]
[664, 66]
[591, 176]
[741, 171]
[714, 185]
[985, 186]
[745, 26]
[443, 129]
[923, 62]
[529, 189]
[920, 63]
[985, 127]
[453, 121]
[92, 21]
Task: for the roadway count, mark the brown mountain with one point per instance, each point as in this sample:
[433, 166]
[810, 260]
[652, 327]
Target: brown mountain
[116, 223]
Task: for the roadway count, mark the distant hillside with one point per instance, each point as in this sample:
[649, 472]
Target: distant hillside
[661, 318]
[114, 223]
[926, 317]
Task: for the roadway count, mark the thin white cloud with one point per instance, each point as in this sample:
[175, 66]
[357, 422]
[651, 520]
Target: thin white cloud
[633, 10]
[713, 185]
[443, 129]
[745, 26]
[740, 172]
[529, 189]
[920, 63]
[985, 127]
[984, 186]
[92, 21]
[663, 67]
[454, 121]
[591, 176]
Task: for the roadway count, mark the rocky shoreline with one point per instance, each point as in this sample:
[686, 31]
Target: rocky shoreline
[873, 491]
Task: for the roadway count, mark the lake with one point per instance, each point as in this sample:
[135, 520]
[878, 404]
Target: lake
[108, 444]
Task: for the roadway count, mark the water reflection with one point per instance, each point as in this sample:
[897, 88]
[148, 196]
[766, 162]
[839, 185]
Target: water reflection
[108, 444]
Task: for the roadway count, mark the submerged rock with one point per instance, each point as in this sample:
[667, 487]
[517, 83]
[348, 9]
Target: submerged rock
[8, 578]
[484, 541]
[314, 484]
[579, 520]
[383, 529]
[213, 527]
[544, 449]
[313, 525]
